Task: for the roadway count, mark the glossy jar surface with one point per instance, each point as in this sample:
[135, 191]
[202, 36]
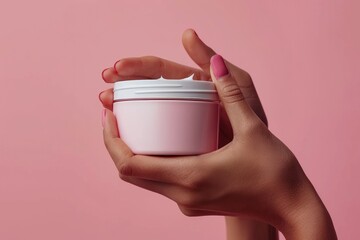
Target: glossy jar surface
[167, 117]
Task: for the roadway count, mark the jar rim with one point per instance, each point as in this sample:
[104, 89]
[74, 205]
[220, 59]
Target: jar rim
[162, 88]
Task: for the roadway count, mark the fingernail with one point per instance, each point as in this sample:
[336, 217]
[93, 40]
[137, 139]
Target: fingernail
[103, 117]
[115, 66]
[218, 66]
[100, 96]
[102, 73]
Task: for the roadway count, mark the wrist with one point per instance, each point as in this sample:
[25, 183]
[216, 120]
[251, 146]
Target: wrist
[304, 216]
[249, 229]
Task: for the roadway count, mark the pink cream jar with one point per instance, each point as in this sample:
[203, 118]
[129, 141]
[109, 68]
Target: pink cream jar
[167, 117]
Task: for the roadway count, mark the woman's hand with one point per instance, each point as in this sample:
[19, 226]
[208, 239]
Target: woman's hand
[253, 175]
[240, 178]
[150, 67]
[154, 67]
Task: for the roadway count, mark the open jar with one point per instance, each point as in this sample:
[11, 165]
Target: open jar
[167, 117]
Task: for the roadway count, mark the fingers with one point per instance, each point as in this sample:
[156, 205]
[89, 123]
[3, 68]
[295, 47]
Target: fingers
[106, 98]
[174, 170]
[237, 109]
[119, 151]
[150, 67]
[168, 190]
[198, 51]
[153, 67]
[109, 75]
[183, 197]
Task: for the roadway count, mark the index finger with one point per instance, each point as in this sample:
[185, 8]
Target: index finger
[150, 67]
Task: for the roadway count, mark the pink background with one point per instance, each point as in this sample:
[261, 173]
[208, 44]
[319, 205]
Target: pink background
[56, 178]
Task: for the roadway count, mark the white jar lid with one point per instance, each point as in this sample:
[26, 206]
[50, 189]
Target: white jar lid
[161, 88]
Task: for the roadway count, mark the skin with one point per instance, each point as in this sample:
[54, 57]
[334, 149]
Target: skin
[253, 175]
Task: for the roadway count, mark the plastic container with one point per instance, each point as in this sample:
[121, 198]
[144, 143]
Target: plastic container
[167, 117]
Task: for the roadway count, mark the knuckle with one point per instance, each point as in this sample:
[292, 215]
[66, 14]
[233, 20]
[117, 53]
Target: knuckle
[191, 199]
[156, 60]
[231, 93]
[247, 76]
[124, 165]
[126, 169]
[196, 180]
[122, 159]
[254, 128]
[151, 57]
[159, 65]
[198, 185]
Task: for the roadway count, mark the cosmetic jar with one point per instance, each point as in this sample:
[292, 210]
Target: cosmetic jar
[167, 116]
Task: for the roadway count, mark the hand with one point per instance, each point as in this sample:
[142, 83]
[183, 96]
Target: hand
[208, 181]
[254, 175]
[154, 67]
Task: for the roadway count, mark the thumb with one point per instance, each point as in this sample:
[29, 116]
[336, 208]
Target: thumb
[236, 107]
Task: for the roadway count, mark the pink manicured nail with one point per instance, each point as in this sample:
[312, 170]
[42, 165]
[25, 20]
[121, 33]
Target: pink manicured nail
[218, 66]
[102, 73]
[103, 117]
[100, 96]
[115, 66]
